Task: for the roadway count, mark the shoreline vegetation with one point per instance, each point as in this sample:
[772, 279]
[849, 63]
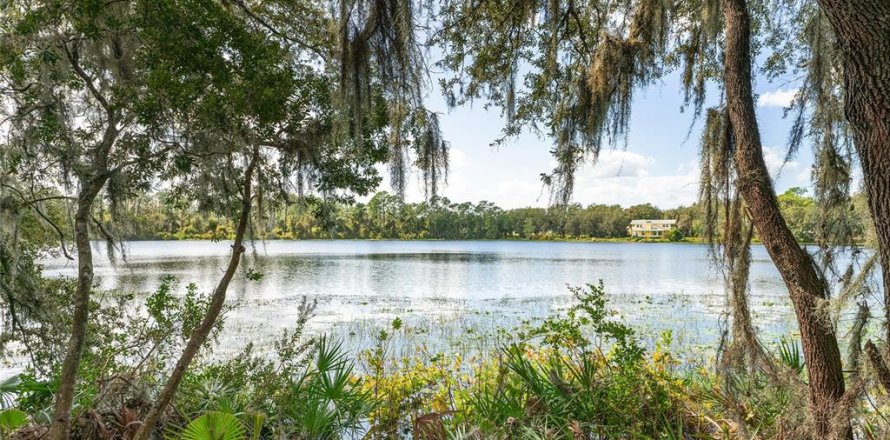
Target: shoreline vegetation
[861, 243]
[628, 240]
[577, 371]
[386, 217]
[617, 240]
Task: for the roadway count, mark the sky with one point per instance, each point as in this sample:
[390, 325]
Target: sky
[659, 165]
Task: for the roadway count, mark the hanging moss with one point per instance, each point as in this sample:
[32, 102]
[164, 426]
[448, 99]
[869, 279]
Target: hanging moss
[649, 30]
[432, 152]
[380, 56]
[716, 173]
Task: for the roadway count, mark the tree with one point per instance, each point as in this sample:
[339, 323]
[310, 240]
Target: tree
[202, 331]
[82, 118]
[806, 286]
[863, 39]
[799, 211]
[101, 94]
[581, 63]
[644, 211]
[265, 116]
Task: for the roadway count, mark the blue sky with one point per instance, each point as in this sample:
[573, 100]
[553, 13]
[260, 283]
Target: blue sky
[659, 165]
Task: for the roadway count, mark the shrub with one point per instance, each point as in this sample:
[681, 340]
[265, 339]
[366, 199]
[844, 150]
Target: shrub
[590, 378]
[675, 235]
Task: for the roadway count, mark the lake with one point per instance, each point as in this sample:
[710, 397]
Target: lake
[451, 295]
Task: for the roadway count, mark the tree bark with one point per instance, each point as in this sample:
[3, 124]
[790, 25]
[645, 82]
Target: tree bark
[199, 334]
[805, 285]
[862, 28]
[80, 317]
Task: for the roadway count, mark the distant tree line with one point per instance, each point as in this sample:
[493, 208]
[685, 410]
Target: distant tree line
[386, 216]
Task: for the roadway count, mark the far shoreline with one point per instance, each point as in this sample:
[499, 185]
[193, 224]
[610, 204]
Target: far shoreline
[626, 240]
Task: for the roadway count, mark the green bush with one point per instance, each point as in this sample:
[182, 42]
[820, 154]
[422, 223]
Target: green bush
[590, 380]
[10, 420]
[675, 235]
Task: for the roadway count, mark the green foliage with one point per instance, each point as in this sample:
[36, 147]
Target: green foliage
[8, 389]
[579, 374]
[765, 406]
[214, 425]
[308, 390]
[386, 216]
[186, 85]
[326, 401]
[31, 395]
[10, 420]
[256, 422]
[789, 354]
[106, 98]
[125, 340]
[569, 70]
[800, 212]
[592, 381]
[585, 392]
[587, 319]
[254, 275]
[675, 235]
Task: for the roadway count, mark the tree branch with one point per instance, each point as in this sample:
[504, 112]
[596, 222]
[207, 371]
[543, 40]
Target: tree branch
[272, 29]
[58, 231]
[74, 58]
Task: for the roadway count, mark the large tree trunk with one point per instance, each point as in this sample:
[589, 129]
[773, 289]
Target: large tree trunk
[199, 334]
[67, 381]
[805, 285]
[863, 31]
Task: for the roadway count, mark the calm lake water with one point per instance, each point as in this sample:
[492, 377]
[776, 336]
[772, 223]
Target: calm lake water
[451, 295]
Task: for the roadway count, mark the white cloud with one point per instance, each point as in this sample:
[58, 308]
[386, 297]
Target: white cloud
[775, 162]
[641, 185]
[856, 183]
[777, 98]
[786, 174]
[618, 163]
[457, 159]
[514, 193]
[414, 188]
[619, 177]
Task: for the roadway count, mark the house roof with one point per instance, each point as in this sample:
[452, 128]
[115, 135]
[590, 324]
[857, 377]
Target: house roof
[656, 222]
